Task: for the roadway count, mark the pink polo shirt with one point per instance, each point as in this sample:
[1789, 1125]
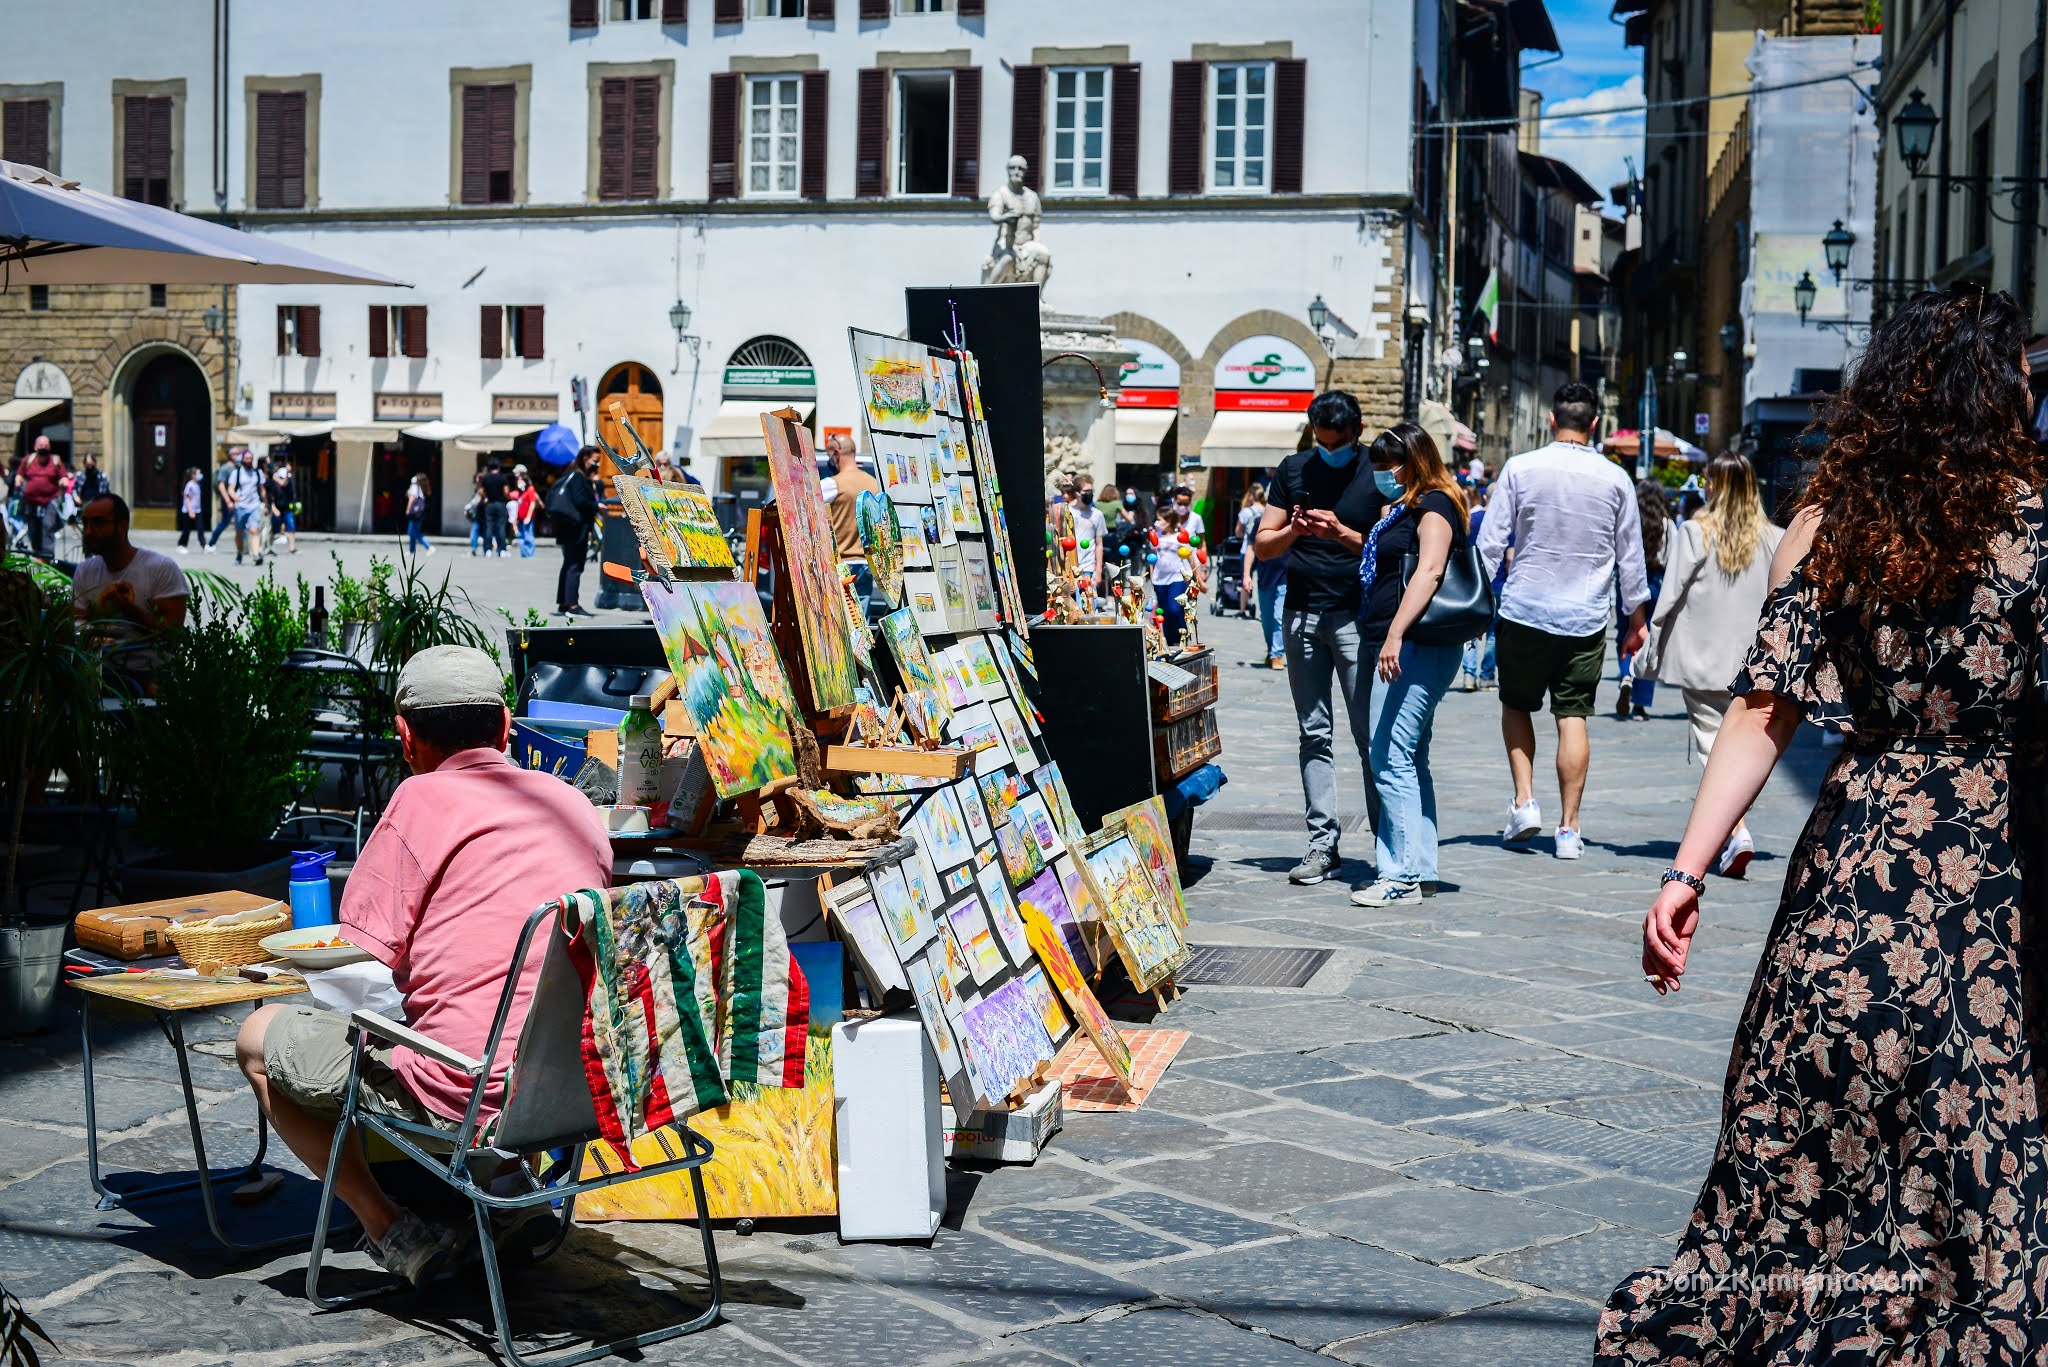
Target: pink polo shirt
[460, 859]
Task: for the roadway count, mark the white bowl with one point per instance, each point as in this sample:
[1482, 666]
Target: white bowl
[286, 945]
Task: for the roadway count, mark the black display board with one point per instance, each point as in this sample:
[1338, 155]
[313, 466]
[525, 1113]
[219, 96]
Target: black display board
[999, 324]
[1098, 714]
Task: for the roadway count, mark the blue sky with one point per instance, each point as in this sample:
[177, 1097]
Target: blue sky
[1596, 73]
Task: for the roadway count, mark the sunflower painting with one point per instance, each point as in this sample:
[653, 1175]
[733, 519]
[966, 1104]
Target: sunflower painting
[729, 678]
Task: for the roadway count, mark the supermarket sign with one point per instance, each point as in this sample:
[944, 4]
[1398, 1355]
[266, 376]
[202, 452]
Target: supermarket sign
[1151, 379]
[1265, 374]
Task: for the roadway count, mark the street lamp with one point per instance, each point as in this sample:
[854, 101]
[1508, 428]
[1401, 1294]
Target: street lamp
[1835, 247]
[1731, 335]
[1804, 292]
[1916, 124]
[1318, 314]
[214, 318]
[679, 319]
[1679, 362]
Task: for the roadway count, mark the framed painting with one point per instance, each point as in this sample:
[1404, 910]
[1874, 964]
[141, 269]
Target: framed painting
[894, 377]
[932, 1011]
[852, 904]
[977, 939]
[913, 661]
[1051, 948]
[812, 554]
[1004, 1033]
[875, 518]
[974, 812]
[921, 590]
[1047, 1004]
[1015, 733]
[1145, 823]
[942, 830]
[1049, 782]
[954, 595]
[904, 918]
[1002, 911]
[1035, 819]
[1142, 930]
[728, 677]
[900, 464]
[677, 528]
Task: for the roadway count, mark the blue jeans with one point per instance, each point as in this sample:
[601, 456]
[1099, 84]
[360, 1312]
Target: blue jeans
[1173, 617]
[1403, 713]
[526, 540]
[413, 540]
[1643, 691]
[1272, 602]
[1322, 647]
[476, 532]
[1478, 661]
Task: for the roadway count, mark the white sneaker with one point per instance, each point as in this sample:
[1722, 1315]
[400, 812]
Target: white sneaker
[1570, 844]
[1735, 855]
[1524, 822]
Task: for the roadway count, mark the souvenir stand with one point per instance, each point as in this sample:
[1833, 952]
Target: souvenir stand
[904, 769]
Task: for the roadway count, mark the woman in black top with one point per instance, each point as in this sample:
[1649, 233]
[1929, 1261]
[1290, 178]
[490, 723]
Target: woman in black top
[1426, 518]
[572, 507]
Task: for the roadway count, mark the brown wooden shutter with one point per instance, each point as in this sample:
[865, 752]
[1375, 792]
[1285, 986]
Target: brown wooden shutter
[725, 134]
[504, 105]
[1027, 120]
[25, 132]
[728, 11]
[291, 149]
[491, 331]
[476, 136]
[284, 337]
[267, 134]
[1290, 109]
[582, 13]
[969, 7]
[309, 329]
[967, 132]
[530, 330]
[380, 330]
[1123, 129]
[816, 122]
[643, 141]
[821, 10]
[614, 113]
[871, 131]
[874, 9]
[1185, 128]
[675, 11]
[416, 330]
[146, 149]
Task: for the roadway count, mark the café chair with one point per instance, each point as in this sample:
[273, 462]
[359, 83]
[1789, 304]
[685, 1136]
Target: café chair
[547, 1108]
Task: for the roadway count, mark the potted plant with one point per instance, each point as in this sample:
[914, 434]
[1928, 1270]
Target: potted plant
[52, 719]
[214, 754]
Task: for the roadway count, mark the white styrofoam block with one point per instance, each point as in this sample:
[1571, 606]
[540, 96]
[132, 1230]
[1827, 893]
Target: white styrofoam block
[885, 1111]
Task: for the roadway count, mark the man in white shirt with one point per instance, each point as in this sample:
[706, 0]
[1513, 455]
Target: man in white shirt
[121, 591]
[243, 485]
[1091, 529]
[1570, 515]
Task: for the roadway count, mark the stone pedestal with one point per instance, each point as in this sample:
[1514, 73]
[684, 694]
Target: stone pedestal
[1080, 434]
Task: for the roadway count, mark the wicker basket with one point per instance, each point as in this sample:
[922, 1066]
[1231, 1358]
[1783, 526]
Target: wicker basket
[202, 942]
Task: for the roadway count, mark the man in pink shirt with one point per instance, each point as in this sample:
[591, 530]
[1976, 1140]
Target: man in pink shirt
[467, 848]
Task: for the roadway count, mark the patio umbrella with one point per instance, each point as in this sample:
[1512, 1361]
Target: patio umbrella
[57, 232]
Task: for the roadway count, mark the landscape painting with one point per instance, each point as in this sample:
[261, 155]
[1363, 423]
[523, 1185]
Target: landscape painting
[1007, 1040]
[677, 528]
[729, 678]
[812, 555]
[895, 382]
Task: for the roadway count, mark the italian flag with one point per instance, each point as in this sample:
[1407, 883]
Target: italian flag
[767, 1001]
[1489, 304]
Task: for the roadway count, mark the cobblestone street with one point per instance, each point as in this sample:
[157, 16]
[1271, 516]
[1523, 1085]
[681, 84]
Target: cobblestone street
[1445, 1149]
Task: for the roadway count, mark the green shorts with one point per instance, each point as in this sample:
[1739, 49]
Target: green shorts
[1530, 663]
[306, 1056]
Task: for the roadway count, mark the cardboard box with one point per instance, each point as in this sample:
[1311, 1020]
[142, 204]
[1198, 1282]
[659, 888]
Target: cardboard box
[1006, 1136]
[140, 930]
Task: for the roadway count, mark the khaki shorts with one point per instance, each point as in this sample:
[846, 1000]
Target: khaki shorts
[306, 1057]
[1529, 663]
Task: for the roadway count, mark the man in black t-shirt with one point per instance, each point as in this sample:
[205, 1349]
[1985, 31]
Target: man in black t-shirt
[1319, 507]
[494, 485]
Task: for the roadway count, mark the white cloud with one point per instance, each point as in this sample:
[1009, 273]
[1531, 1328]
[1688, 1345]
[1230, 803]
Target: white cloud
[1596, 143]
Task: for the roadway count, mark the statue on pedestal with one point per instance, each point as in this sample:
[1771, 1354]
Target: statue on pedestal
[1017, 255]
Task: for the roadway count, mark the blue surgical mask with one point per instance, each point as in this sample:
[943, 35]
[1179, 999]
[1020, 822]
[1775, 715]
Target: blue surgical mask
[1338, 457]
[1388, 481]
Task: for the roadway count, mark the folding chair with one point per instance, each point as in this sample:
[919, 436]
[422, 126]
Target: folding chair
[547, 1107]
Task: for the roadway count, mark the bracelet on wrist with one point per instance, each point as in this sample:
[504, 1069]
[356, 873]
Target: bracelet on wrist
[1698, 885]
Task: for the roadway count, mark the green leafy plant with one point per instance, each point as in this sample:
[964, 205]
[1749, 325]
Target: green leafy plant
[18, 1330]
[51, 681]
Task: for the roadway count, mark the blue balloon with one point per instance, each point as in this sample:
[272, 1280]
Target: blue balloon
[556, 444]
[1151, 557]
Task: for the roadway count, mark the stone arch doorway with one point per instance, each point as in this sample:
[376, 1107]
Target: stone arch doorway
[635, 386]
[162, 424]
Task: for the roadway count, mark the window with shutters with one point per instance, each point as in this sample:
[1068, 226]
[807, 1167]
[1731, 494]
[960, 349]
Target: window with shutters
[924, 6]
[280, 149]
[146, 149]
[1240, 108]
[1080, 120]
[773, 120]
[924, 132]
[628, 11]
[775, 9]
[298, 329]
[25, 132]
[398, 330]
[629, 137]
[38, 298]
[489, 143]
[513, 330]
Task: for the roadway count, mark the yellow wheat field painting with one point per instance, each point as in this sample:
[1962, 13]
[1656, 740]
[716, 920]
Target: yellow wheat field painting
[775, 1156]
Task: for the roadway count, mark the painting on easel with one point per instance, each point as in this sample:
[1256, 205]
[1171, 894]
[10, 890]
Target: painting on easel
[813, 558]
[676, 527]
[728, 677]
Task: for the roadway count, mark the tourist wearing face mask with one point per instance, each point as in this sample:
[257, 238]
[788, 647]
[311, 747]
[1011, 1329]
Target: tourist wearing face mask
[1319, 507]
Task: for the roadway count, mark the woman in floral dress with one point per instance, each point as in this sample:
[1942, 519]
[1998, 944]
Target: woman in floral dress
[1879, 1193]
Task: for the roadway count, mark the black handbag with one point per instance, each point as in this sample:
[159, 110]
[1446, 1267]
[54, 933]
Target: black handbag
[1462, 607]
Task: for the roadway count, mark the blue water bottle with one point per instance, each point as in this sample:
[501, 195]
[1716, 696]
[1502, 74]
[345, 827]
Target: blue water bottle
[312, 900]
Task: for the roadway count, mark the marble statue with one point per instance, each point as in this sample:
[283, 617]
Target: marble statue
[1017, 255]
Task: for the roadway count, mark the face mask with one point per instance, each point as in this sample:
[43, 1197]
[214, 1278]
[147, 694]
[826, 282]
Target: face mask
[1388, 481]
[1339, 457]
[1130, 500]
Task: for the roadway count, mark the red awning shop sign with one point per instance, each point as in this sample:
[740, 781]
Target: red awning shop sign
[1264, 374]
[1151, 379]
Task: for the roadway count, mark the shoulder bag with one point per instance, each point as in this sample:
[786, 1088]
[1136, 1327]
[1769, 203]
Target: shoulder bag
[1462, 607]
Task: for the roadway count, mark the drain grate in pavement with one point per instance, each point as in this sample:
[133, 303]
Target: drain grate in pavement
[1236, 966]
[1244, 819]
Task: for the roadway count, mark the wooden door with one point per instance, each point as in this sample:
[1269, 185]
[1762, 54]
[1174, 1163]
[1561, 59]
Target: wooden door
[157, 479]
[636, 388]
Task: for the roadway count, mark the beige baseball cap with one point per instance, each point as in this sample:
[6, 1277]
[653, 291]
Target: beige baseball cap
[449, 676]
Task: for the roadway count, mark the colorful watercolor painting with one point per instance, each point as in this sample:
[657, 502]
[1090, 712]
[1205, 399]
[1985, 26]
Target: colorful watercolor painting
[974, 728]
[1145, 823]
[1142, 930]
[1035, 820]
[956, 676]
[677, 528]
[895, 381]
[981, 660]
[977, 937]
[1048, 780]
[980, 586]
[1051, 947]
[812, 554]
[904, 918]
[942, 830]
[999, 793]
[1016, 734]
[945, 388]
[936, 1028]
[900, 462]
[921, 592]
[914, 663]
[852, 904]
[974, 812]
[942, 526]
[1047, 1003]
[953, 953]
[1085, 905]
[921, 876]
[1021, 857]
[1050, 899]
[875, 518]
[953, 595]
[1007, 1040]
[1002, 911]
[957, 880]
[729, 678]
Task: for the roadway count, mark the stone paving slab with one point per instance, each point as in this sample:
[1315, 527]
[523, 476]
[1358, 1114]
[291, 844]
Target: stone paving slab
[1590, 1266]
[1086, 1234]
[1444, 1224]
[1263, 1178]
[1648, 1207]
[1217, 1228]
[1532, 1331]
[1175, 1336]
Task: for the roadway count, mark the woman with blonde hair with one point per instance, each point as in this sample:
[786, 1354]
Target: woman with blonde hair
[1426, 518]
[1715, 581]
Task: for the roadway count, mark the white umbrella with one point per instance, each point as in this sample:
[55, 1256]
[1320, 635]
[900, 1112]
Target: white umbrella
[56, 232]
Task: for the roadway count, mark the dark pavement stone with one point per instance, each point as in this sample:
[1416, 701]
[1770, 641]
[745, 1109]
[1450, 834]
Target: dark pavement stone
[1693, 1062]
[1217, 1000]
[1651, 1110]
[1414, 1057]
[1591, 1265]
[1387, 1100]
[24, 1148]
[39, 1260]
[1016, 1357]
[1342, 1135]
[1573, 1034]
[1200, 1046]
[986, 1188]
[1085, 1234]
[1444, 1224]
[981, 1278]
[120, 1102]
[1549, 1332]
[1490, 1170]
[1475, 1012]
[1217, 1228]
[1267, 1071]
[1267, 1178]
[1717, 1031]
[1199, 1097]
[1317, 1291]
[1159, 1336]
[1549, 1080]
[832, 1321]
[1353, 1021]
[1651, 1208]
[1113, 1136]
[1319, 931]
[1650, 1158]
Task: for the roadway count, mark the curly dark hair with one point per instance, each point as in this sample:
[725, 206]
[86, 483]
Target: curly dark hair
[1927, 450]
